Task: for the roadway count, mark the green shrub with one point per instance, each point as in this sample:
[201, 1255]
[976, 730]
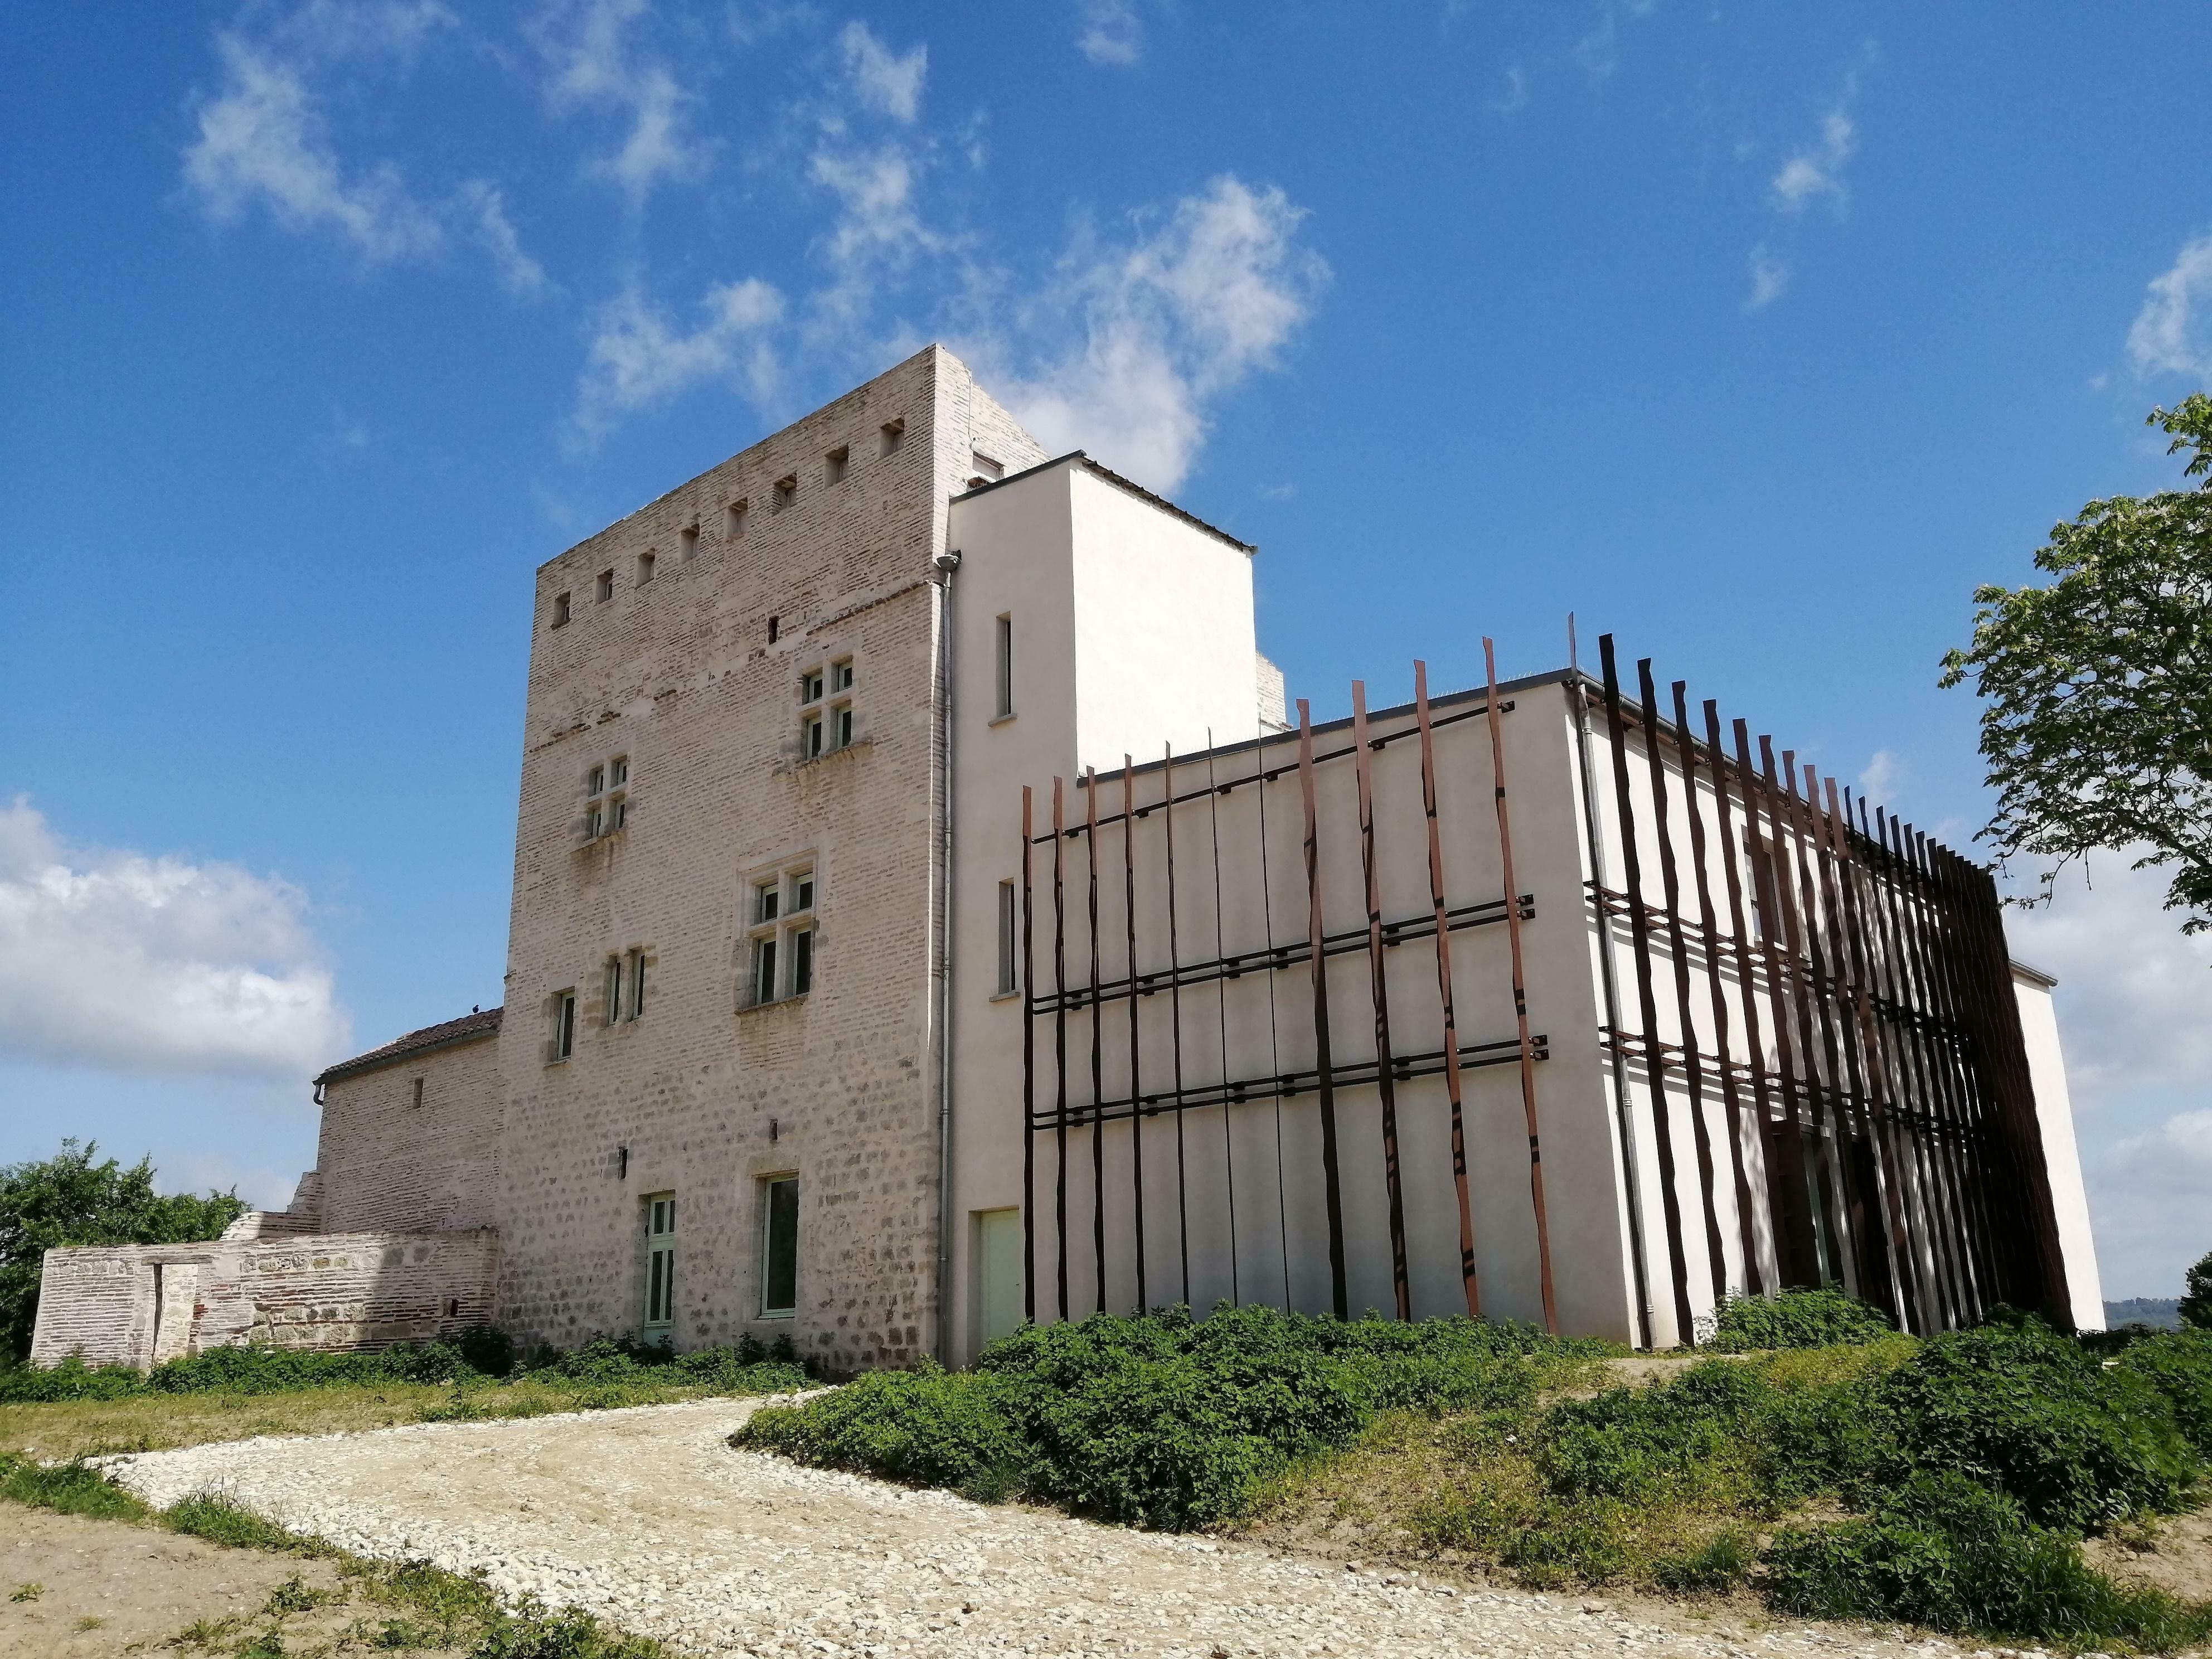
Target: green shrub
[70, 1380]
[2026, 1413]
[2179, 1364]
[1721, 1563]
[219, 1522]
[1795, 1319]
[1163, 1421]
[571, 1633]
[1951, 1554]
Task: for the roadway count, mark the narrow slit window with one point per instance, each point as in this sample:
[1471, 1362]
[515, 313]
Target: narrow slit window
[418, 1091]
[779, 1246]
[560, 610]
[644, 567]
[802, 961]
[660, 1265]
[615, 988]
[889, 436]
[606, 586]
[636, 984]
[564, 1025]
[1004, 667]
[733, 520]
[764, 969]
[690, 541]
[1006, 940]
[786, 488]
[834, 465]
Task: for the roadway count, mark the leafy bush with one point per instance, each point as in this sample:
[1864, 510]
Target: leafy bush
[2029, 1413]
[2180, 1366]
[1950, 1554]
[2195, 1306]
[1795, 1319]
[1163, 1421]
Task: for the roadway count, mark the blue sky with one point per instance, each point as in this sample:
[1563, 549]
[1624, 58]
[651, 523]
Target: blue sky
[1759, 335]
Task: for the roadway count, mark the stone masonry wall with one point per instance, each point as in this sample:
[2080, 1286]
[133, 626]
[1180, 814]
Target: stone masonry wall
[388, 1165]
[679, 675]
[140, 1304]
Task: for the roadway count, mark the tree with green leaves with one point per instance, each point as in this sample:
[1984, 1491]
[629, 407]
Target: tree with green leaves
[2197, 1300]
[2097, 689]
[69, 1199]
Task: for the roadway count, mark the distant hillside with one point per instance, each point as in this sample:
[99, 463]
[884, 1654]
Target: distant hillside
[2162, 1313]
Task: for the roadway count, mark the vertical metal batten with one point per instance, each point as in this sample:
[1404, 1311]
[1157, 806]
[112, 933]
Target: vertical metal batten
[1639, 933]
[1059, 1030]
[1795, 1243]
[1385, 1085]
[1098, 1044]
[1731, 1099]
[1175, 1017]
[1213, 793]
[1445, 990]
[1670, 888]
[1029, 1075]
[1796, 920]
[1527, 1047]
[1136, 1083]
[1339, 1297]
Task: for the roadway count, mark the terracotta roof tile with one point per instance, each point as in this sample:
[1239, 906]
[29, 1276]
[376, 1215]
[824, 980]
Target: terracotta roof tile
[466, 1028]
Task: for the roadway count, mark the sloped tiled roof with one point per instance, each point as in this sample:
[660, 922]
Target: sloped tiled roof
[467, 1029]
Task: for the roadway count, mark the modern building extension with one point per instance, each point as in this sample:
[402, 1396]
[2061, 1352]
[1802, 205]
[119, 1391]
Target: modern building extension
[927, 916]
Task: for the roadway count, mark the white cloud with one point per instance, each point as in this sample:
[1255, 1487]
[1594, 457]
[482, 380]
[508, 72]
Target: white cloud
[1884, 773]
[522, 275]
[1170, 324]
[263, 140]
[887, 84]
[1599, 51]
[131, 964]
[1769, 277]
[1112, 34]
[2132, 985]
[2167, 335]
[590, 64]
[1818, 169]
[639, 359]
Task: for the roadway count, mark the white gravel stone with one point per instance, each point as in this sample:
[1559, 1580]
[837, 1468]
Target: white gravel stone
[647, 1519]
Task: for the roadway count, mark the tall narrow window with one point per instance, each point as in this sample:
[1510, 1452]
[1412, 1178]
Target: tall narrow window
[564, 1025]
[1005, 667]
[1006, 938]
[660, 1265]
[605, 589]
[644, 567]
[418, 1091]
[616, 986]
[733, 520]
[802, 961]
[689, 539]
[560, 610]
[833, 463]
[779, 1247]
[636, 984]
[781, 938]
[892, 435]
[786, 489]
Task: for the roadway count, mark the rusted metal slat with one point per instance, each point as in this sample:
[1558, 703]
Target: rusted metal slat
[1060, 1029]
[1379, 994]
[1444, 989]
[1639, 931]
[1716, 989]
[1174, 1019]
[1527, 1049]
[1340, 1295]
[1796, 1243]
[1670, 887]
[1136, 1086]
[1029, 1077]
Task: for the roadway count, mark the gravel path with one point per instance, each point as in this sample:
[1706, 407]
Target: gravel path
[646, 1518]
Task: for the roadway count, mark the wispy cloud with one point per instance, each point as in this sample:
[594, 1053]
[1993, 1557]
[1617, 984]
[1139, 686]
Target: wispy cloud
[1817, 170]
[2168, 336]
[1883, 773]
[1814, 172]
[1113, 35]
[639, 359]
[486, 208]
[1169, 324]
[887, 83]
[591, 63]
[128, 963]
[263, 142]
[1598, 52]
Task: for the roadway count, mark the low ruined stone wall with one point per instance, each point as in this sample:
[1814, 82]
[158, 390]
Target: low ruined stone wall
[140, 1304]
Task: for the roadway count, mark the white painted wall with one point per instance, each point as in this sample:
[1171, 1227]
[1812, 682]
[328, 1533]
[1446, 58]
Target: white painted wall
[2062, 1157]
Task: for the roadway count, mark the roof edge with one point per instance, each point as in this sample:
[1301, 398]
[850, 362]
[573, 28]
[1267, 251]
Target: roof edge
[399, 1050]
[1118, 482]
